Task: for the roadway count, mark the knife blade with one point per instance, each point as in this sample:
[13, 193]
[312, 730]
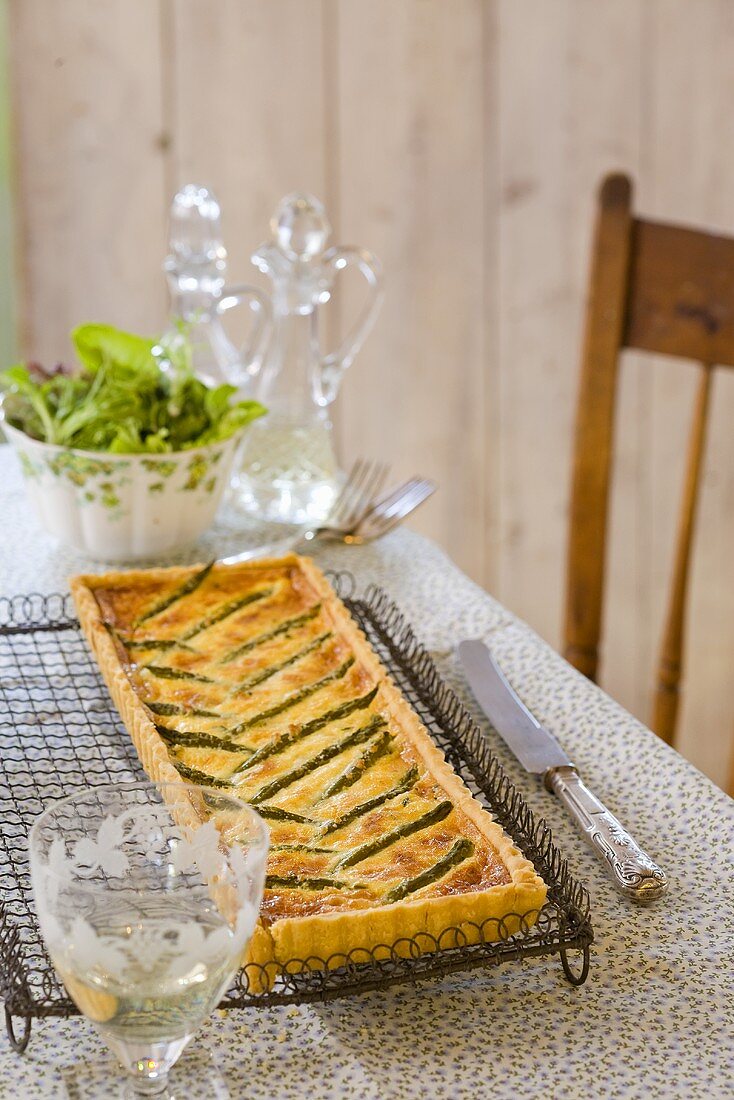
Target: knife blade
[631, 870]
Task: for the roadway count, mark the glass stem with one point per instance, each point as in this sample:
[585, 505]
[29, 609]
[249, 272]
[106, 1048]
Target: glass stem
[147, 1065]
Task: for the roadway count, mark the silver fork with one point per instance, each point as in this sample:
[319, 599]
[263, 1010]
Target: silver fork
[390, 510]
[354, 501]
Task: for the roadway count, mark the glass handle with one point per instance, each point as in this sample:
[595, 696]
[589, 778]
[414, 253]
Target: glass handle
[252, 352]
[336, 362]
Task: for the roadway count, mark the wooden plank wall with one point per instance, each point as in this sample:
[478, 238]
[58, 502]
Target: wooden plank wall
[462, 142]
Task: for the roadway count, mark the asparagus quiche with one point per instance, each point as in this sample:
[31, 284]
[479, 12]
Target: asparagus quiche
[254, 679]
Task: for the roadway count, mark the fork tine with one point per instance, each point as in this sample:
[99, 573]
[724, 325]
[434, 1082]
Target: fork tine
[402, 502]
[354, 494]
[371, 476]
[374, 484]
[350, 492]
[387, 523]
[355, 497]
[384, 503]
[345, 489]
[353, 489]
[388, 504]
[410, 500]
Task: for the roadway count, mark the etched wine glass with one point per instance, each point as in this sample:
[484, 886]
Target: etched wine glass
[147, 896]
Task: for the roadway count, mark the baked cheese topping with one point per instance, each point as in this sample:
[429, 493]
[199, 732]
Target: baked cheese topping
[254, 687]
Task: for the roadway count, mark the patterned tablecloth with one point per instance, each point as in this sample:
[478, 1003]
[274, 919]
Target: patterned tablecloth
[655, 1017]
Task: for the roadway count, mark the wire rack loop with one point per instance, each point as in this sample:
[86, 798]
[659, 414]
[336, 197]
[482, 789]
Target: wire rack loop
[18, 1044]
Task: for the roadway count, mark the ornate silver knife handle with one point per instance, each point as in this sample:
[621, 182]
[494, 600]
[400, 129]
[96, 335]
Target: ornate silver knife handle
[632, 871]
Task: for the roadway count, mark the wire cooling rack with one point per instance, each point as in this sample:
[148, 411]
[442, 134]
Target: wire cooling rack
[62, 732]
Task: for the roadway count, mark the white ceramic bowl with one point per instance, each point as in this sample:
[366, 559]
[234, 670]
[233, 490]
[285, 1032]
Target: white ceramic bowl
[124, 507]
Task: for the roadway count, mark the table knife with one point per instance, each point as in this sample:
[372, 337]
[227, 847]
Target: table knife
[632, 871]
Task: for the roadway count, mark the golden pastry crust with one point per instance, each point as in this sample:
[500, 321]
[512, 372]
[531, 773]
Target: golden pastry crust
[417, 853]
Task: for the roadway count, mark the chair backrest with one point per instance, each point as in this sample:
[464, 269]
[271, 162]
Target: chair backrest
[657, 288]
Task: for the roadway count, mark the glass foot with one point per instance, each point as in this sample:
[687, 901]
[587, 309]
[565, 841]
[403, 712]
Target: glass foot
[194, 1077]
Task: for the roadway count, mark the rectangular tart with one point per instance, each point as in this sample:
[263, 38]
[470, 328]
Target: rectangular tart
[254, 678]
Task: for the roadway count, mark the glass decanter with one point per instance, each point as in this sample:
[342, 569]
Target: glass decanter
[288, 470]
[195, 268]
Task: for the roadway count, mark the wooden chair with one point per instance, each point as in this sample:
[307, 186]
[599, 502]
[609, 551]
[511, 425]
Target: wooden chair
[657, 288]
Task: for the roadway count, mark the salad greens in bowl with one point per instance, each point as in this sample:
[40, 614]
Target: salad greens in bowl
[127, 455]
[124, 399]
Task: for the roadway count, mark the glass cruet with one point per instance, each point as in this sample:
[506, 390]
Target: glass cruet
[289, 471]
[196, 267]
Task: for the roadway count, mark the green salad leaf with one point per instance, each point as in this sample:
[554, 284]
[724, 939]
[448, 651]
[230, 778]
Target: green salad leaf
[97, 344]
[122, 398]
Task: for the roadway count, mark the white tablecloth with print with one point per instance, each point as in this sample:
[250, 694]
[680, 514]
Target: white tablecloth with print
[654, 1018]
